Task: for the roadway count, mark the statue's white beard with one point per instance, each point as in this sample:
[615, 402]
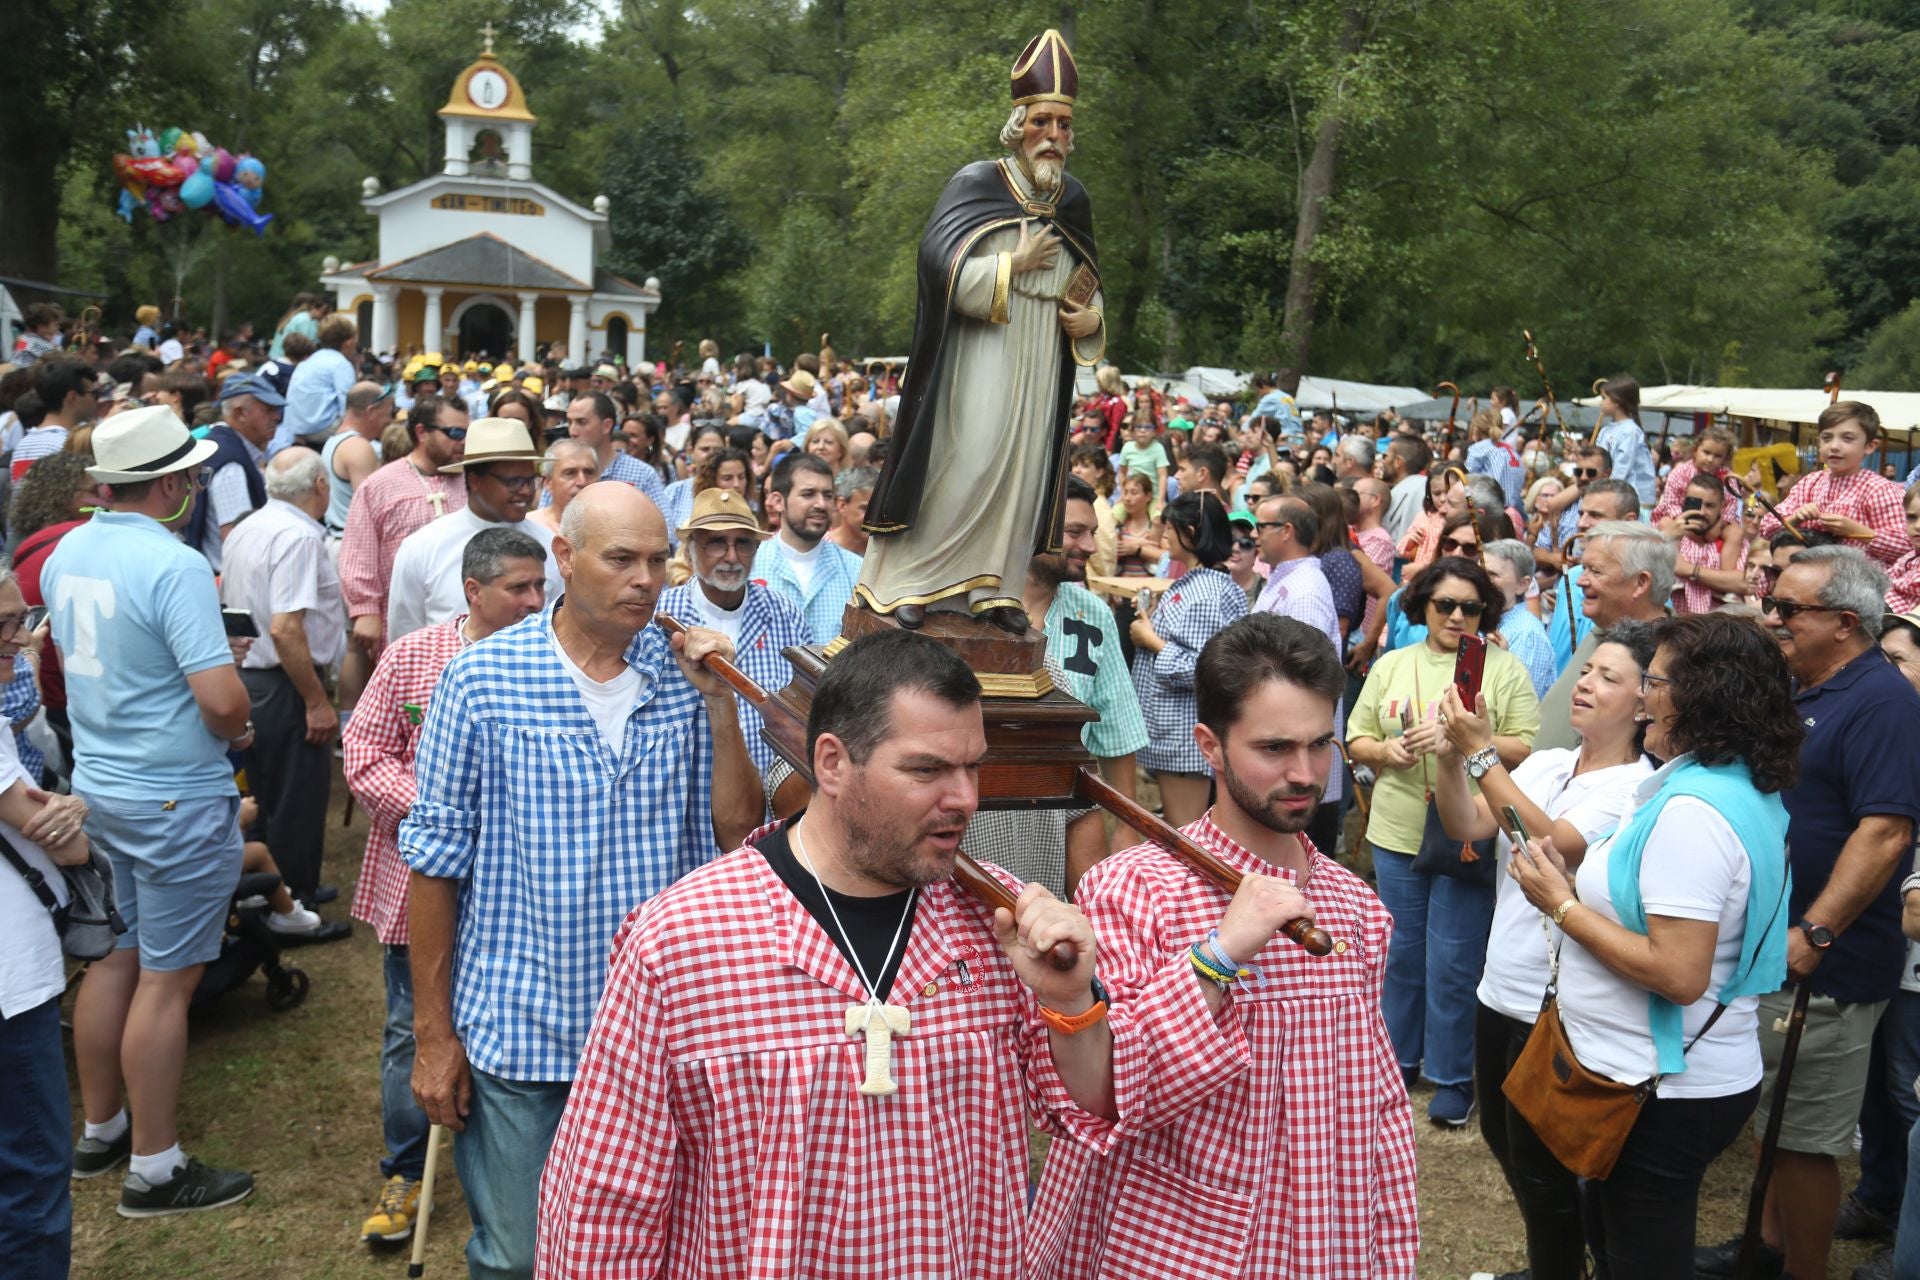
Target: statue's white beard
[1048, 172]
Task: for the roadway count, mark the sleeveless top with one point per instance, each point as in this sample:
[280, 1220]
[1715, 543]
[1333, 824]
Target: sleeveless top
[339, 492]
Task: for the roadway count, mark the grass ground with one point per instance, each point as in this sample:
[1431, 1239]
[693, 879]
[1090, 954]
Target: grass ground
[295, 1098]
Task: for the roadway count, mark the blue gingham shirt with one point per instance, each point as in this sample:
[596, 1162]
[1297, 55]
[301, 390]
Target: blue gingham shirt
[676, 504]
[834, 578]
[1299, 589]
[625, 466]
[1626, 444]
[1566, 527]
[1526, 638]
[1197, 606]
[770, 624]
[1083, 644]
[553, 839]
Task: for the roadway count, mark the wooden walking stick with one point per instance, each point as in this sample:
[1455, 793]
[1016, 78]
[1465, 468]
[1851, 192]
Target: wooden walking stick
[1550, 413]
[1770, 1141]
[417, 1265]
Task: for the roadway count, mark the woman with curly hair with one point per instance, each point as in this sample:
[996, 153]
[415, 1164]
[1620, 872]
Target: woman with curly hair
[1673, 927]
[54, 498]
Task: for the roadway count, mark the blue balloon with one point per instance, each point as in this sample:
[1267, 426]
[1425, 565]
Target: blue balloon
[197, 191]
[127, 204]
[231, 200]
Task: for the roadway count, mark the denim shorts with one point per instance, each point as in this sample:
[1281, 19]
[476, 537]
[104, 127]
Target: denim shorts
[175, 866]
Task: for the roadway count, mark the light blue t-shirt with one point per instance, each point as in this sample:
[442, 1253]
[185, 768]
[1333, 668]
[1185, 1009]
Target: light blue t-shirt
[135, 612]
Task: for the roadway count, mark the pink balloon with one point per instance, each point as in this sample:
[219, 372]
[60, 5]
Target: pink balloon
[186, 162]
[222, 165]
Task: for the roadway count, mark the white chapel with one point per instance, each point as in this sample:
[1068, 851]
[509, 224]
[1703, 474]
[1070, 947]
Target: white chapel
[481, 260]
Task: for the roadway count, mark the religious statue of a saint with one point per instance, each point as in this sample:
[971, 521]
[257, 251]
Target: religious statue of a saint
[1009, 304]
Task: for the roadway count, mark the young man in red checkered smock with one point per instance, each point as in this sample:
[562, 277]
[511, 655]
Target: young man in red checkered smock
[505, 574]
[816, 1056]
[1292, 1155]
[1846, 497]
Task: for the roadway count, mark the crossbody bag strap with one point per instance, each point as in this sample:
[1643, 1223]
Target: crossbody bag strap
[31, 874]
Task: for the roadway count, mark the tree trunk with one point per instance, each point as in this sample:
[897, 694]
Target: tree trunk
[1316, 188]
[217, 324]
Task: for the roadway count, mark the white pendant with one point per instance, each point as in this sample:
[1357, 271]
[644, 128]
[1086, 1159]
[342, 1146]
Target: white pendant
[879, 1023]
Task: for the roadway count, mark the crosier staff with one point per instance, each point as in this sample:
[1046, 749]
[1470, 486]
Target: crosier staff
[973, 878]
[1453, 410]
[1550, 414]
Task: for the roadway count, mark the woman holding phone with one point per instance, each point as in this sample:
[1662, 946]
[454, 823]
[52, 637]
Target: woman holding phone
[1574, 796]
[1674, 924]
[1439, 922]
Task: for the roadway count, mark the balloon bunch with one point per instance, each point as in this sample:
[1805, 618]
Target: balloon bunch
[181, 171]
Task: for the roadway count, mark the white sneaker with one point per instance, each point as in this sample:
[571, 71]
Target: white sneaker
[297, 921]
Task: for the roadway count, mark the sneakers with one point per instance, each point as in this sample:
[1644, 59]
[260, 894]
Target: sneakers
[193, 1186]
[1858, 1222]
[1724, 1260]
[1452, 1105]
[92, 1157]
[297, 921]
[392, 1218]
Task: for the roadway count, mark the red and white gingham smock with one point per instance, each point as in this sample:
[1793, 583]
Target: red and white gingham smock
[1291, 1154]
[715, 1128]
[1873, 500]
[377, 749]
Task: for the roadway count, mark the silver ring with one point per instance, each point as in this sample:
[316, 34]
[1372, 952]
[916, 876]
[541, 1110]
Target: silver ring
[1443, 719]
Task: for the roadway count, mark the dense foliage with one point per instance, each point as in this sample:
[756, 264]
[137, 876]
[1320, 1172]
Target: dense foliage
[1697, 190]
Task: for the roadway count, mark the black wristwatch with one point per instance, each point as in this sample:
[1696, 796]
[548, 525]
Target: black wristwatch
[1819, 937]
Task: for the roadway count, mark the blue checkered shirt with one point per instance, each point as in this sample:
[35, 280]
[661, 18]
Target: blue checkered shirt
[676, 504]
[636, 473]
[770, 624]
[1199, 604]
[1526, 638]
[833, 582]
[552, 838]
[1084, 644]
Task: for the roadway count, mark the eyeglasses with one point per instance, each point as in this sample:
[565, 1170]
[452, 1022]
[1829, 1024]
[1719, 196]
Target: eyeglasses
[10, 625]
[515, 484]
[1586, 473]
[1446, 608]
[1273, 524]
[1245, 544]
[1787, 608]
[1648, 680]
[451, 433]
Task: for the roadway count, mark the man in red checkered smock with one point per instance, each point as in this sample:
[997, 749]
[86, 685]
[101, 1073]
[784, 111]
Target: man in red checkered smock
[1292, 1155]
[505, 578]
[816, 1056]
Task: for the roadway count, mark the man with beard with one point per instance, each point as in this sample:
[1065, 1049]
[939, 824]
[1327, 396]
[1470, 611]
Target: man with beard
[1009, 303]
[800, 563]
[721, 537]
[1084, 643]
[817, 1056]
[1297, 1159]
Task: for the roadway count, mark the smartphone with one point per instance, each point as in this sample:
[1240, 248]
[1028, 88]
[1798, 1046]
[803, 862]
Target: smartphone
[1468, 664]
[1516, 829]
[35, 616]
[1693, 504]
[1143, 602]
[239, 623]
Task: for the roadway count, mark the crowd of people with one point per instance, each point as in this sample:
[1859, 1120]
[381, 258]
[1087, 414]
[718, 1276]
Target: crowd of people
[1681, 783]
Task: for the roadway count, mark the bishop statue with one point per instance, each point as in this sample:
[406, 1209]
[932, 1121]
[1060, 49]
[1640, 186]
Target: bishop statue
[1009, 305]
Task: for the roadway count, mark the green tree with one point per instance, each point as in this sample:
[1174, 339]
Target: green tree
[666, 223]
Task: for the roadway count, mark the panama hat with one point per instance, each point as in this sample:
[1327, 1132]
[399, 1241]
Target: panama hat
[495, 440]
[144, 444]
[801, 384]
[716, 510]
[606, 371]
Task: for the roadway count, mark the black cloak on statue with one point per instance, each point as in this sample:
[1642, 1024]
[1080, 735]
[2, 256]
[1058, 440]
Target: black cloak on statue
[978, 199]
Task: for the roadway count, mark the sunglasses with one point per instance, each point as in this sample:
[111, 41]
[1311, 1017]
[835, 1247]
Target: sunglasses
[1245, 544]
[1467, 549]
[451, 433]
[1586, 473]
[1468, 609]
[1787, 608]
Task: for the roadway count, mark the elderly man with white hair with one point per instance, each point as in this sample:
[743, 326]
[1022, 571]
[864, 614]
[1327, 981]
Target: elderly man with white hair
[1510, 565]
[1626, 572]
[278, 571]
[1353, 457]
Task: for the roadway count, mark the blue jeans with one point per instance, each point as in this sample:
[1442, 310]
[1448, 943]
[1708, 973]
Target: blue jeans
[510, 1128]
[36, 1149]
[402, 1122]
[1906, 1242]
[1439, 946]
[1890, 1108]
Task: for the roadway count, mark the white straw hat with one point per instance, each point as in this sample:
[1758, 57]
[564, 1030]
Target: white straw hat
[143, 444]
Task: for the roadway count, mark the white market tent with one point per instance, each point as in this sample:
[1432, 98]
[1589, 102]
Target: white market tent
[1204, 382]
[1898, 410]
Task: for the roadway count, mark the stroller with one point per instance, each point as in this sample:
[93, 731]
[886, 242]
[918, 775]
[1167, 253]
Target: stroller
[248, 944]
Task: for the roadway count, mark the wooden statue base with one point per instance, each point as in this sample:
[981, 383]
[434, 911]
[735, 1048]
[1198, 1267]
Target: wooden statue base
[1034, 752]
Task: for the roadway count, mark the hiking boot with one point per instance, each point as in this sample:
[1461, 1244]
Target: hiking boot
[92, 1157]
[393, 1217]
[1858, 1222]
[193, 1186]
[1452, 1105]
[1724, 1260]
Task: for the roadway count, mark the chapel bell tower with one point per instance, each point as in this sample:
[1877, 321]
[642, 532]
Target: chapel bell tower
[489, 129]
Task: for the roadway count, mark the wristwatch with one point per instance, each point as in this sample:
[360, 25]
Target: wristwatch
[1819, 937]
[1481, 763]
[1074, 1025]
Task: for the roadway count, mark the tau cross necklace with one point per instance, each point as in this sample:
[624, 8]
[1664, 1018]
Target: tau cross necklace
[878, 1022]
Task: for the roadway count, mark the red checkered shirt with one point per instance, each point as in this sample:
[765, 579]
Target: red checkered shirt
[389, 504]
[1873, 500]
[378, 747]
[715, 1127]
[1293, 1154]
[1904, 597]
[1676, 492]
[1690, 595]
[1377, 545]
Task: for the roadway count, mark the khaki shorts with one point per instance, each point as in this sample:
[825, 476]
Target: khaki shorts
[1829, 1073]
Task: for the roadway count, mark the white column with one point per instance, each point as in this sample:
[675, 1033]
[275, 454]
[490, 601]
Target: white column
[527, 301]
[577, 332]
[431, 330]
[385, 317]
[637, 339]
